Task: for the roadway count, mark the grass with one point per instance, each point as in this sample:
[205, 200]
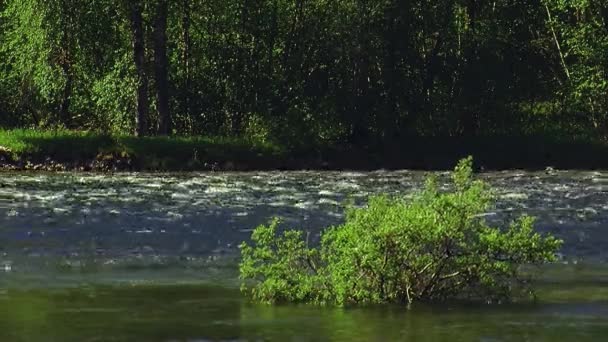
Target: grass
[182, 153]
[68, 144]
[150, 153]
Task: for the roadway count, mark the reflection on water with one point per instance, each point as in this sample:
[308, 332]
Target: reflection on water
[202, 313]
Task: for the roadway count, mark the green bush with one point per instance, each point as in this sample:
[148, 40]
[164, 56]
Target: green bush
[434, 247]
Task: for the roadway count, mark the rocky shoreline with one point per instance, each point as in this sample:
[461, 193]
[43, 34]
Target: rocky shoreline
[99, 164]
[123, 162]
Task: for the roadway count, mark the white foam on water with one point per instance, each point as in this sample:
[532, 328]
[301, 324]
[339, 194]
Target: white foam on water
[328, 201]
[182, 196]
[144, 231]
[174, 215]
[60, 210]
[515, 196]
[304, 205]
[219, 190]
[89, 207]
[347, 185]
[352, 174]
[561, 188]
[151, 185]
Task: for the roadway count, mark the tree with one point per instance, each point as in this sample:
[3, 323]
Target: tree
[161, 67]
[294, 71]
[139, 51]
[40, 45]
[580, 32]
[187, 50]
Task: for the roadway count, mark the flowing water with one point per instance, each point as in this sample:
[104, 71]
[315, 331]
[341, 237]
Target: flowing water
[152, 257]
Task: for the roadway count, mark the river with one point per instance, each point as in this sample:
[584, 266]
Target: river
[157, 252]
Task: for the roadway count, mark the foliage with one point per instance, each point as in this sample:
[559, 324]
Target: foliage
[302, 75]
[286, 263]
[583, 32]
[436, 246]
[52, 50]
[113, 100]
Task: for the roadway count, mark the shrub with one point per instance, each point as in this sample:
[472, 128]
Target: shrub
[434, 247]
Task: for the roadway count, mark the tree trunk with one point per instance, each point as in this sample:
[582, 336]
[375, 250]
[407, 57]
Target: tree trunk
[557, 44]
[65, 61]
[137, 30]
[468, 111]
[161, 68]
[389, 72]
[186, 55]
[64, 107]
[604, 13]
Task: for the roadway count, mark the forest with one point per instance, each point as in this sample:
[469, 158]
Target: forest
[307, 72]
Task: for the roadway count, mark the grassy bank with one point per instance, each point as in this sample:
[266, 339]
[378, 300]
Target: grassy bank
[74, 150]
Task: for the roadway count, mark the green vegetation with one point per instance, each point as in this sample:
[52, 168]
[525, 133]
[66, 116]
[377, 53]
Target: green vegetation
[75, 150]
[435, 247]
[294, 72]
[80, 149]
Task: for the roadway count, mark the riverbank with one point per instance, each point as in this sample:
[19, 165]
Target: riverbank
[84, 151]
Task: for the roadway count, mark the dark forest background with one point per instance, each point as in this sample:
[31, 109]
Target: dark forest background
[307, 72]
